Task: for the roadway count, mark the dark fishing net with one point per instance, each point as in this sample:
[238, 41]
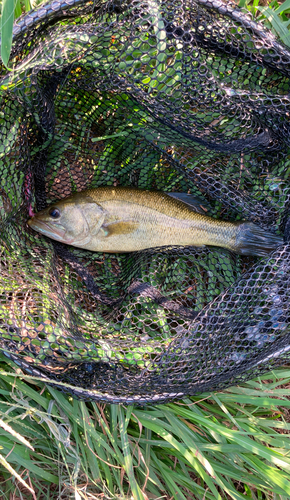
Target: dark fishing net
[183, 96]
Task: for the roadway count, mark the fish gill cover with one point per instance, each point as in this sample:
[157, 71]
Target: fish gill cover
[179, 96]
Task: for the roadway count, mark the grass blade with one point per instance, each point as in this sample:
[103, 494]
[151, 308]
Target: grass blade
[7, 19]
[136, 491]
[284, 6]
[7, 466]
[27, 5]
[16, 435]
[17, 11]
[278, 24]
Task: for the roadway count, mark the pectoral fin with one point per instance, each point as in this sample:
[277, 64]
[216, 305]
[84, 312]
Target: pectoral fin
[122, 227]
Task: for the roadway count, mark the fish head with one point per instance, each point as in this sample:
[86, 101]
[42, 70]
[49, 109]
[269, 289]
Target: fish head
[73, 221]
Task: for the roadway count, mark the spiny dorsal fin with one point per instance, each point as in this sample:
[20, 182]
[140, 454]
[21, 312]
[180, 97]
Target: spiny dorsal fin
[195, 203]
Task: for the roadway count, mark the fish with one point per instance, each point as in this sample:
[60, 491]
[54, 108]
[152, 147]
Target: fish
[124, 219]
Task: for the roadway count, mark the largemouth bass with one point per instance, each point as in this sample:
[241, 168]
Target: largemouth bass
[121, 219]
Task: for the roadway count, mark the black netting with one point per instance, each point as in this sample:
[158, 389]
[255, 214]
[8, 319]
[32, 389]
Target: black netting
[179, 96]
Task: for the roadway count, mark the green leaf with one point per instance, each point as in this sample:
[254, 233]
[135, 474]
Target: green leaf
[7, 19]
[278, 24]
[128, 465]
[284, 6]
[27, 5]
[17, 9]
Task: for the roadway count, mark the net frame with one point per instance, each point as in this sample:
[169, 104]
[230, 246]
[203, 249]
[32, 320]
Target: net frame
[270, 137]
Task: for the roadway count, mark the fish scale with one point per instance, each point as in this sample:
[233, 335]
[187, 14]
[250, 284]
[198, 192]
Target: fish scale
[124, 219]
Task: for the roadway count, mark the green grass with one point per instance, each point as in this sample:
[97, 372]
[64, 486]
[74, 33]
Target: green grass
[233, 444]
[274, 15]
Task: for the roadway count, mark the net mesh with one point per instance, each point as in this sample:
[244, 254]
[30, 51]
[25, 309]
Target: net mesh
[183, 95]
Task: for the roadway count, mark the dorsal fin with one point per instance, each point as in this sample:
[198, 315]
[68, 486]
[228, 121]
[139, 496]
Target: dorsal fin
[195, 203]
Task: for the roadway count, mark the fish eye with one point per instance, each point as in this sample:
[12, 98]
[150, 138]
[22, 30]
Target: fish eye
[54, 213]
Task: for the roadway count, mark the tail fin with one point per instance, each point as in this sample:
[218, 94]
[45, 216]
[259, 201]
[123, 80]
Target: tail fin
[253, 240]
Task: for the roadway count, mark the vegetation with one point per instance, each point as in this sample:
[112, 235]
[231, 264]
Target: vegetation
[232, 444]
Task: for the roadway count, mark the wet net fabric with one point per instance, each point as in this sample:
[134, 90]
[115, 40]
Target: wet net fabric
[180, 96]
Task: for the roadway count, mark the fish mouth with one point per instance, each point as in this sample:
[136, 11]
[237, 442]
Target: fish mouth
[44, 228]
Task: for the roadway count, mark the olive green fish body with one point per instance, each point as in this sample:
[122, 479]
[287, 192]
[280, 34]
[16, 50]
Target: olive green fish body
[118, 219]
[138, 219]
